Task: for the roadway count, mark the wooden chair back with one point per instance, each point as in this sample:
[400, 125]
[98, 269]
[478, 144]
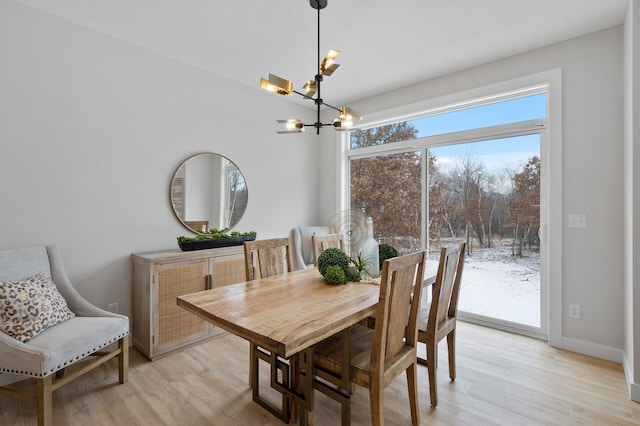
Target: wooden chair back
[395, 332]
[264, 258]
[446, 290]
[319, 243]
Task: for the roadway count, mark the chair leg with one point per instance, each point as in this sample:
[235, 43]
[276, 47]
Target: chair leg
[123, 360]
[431, 367]
[251, 346]
[376, 397]
[45, 401]
[435, 355]
[412, 383]
[451, 345]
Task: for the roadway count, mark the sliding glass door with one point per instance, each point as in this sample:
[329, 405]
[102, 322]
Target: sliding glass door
[467, 174]
[487, 194]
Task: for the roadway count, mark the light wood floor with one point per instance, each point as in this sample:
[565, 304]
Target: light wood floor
[503, 379]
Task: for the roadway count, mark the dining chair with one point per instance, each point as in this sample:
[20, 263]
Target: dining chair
[265, 258]
[438, 320]
[319, 243]
[375, 357]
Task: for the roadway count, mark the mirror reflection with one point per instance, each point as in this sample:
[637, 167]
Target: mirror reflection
[208, 191]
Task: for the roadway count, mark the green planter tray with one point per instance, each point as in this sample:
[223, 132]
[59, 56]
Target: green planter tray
[213, 243]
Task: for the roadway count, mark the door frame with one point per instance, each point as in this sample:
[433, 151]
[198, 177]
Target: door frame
[551, 213]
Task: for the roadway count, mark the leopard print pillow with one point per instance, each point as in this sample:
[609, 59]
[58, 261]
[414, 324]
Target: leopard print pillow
[30, 306]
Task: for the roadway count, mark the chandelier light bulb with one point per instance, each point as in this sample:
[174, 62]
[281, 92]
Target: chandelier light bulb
[294, 125]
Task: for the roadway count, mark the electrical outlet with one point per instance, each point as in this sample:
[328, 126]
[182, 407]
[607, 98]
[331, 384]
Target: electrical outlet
[577, 220]
[574, 311]
[114, 307]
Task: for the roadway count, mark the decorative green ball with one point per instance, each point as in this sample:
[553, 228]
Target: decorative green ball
[385, 251]
[335, 275]
[332, 257]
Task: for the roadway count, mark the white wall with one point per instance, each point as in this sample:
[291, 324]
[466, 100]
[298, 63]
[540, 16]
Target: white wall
[91, 130]
[592, 176]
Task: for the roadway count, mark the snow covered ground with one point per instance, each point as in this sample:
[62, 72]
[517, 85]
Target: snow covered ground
[499, 285]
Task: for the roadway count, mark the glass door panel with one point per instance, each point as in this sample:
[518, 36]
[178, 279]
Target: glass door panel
[388, 188]
[487, 194]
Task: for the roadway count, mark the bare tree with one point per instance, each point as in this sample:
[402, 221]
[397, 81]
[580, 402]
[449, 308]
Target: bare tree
[524, 206]
[465, 179]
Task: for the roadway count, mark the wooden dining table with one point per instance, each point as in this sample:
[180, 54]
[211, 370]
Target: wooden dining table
[287, 314]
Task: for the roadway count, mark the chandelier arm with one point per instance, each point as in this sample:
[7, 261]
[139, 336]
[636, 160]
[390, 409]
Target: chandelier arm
[303, 95]
[331, 106]
[313, 99]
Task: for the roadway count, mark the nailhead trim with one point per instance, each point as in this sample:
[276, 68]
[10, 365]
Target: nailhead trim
[66, 363]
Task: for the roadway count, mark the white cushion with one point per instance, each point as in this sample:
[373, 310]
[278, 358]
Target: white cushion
[30, 306]
[72, 340]
[302, 252]
[23, 262]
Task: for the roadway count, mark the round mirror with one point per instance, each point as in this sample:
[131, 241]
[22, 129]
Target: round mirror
[208, 191]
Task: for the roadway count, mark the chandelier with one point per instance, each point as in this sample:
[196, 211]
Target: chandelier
[326, 67]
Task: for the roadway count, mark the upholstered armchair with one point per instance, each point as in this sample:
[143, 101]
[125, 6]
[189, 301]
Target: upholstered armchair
[301, 250]
[46, 355]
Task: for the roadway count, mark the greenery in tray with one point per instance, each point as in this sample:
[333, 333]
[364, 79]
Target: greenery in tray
[337, 267]
[361, 264]
[215, 234]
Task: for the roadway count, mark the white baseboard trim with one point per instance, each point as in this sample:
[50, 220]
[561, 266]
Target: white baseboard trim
[634, 388]
[634, 391]
[593, 349]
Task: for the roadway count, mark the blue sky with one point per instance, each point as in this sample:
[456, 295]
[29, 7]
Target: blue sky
[520, 109]
[494, 154]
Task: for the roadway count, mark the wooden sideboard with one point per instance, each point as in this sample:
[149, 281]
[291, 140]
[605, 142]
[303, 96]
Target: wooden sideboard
[159, 325]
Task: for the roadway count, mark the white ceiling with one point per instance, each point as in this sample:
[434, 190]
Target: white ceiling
[385, 44]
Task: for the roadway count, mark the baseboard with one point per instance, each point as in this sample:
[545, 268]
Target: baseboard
[634, 388]
[593, 349]
[634, 391]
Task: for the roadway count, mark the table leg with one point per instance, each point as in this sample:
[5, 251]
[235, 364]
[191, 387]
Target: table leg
[276, 365]
[301, 391]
